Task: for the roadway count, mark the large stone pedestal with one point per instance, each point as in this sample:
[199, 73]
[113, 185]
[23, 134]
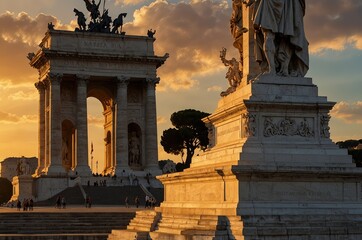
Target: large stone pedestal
[22, 188]
[271, 172]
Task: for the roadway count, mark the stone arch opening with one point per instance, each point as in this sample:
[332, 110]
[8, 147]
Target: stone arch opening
[104, 164]
[68, 145]
[134, 146]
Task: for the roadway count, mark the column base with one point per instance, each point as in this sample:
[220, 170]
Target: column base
[83, 171]
[22, 188]
[56, 170]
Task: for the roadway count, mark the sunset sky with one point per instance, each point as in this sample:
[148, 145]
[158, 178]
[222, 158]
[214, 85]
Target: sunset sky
[193, 32]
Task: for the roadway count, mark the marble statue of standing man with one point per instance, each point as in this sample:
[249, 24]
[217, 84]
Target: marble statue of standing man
[280, 42]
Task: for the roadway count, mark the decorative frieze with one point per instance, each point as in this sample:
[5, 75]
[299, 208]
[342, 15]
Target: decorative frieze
[287, 126]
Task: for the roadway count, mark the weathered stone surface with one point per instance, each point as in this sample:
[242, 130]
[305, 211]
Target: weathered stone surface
[115, 69]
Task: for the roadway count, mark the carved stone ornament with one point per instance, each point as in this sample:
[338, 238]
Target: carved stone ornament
[153, 81]
[233, 75]
[249, 124]
[324, 124]
[40, 86]
[123, 80]
[55, 78]
[287, 127]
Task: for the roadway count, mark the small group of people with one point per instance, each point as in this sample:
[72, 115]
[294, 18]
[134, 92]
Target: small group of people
[28, 204]
[102, 183]
[150, 202]
[61, 202]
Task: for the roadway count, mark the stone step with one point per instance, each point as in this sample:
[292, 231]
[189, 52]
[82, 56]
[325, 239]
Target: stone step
[59, 226]
[198, 217]
[54, 237]
[139, 228]
[128, 235]
[168, 236]
[65, 230]
[140, 222]
[104, 195]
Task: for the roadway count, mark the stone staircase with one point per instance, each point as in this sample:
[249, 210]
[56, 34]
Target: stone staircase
[73, 196]
[62, 225]
[206, 227]
[102, 195]
[151, 225]
[139, 227]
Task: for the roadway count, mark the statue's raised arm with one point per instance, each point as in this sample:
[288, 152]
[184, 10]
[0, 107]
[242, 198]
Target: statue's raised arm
[281, 45]
[93, 8]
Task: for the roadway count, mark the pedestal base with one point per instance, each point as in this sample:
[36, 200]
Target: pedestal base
[22, 188]
[271, 172]
[83, 171]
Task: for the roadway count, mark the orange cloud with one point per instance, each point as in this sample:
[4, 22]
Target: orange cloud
[96, 121]
[19, 35]
[348, 112]
[24, 96]
[333, 24]
[214, 89]
[193, 33]
[10, 118]
[161, 119]
[129, 2]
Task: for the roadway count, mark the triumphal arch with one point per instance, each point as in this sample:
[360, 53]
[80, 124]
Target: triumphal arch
[117, 69]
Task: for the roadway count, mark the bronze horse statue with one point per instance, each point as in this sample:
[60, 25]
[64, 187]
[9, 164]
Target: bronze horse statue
[118, 22]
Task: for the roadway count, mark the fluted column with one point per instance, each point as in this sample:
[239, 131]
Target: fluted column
[55, 167]
[82, 166]
[47, 125]
[122, 126]
[41, 131]
[151, 125]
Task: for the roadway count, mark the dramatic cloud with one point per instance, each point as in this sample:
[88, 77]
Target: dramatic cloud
[96, 121]
[214, 89]
[24, 96]
[349, 112]
[129, 2]
[333, 24]
[25, 29]
[10, 118]
[193, 33]
[19, 35]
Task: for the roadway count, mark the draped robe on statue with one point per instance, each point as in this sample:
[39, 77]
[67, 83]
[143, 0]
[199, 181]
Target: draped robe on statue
[285, 19]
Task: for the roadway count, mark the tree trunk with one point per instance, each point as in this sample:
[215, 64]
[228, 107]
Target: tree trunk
[189, 155]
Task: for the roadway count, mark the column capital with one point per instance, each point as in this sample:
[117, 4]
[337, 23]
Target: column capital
[123, 80]
[54, 78]
[154, 80]
[40, 86]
